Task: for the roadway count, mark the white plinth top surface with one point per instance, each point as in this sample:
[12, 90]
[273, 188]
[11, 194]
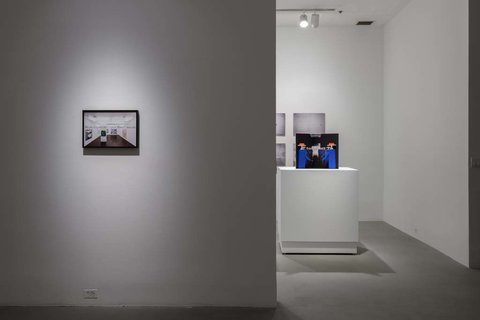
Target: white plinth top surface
[295, 169]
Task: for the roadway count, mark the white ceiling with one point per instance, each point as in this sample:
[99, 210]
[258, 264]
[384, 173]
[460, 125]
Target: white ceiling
[381, 11]
[110, 119]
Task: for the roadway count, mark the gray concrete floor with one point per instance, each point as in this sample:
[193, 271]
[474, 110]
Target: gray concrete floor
[393, 277]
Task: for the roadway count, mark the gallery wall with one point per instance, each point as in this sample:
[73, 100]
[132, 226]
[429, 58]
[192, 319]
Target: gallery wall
[189, 220]
[338, 71]
[426, 124]
[474, 133]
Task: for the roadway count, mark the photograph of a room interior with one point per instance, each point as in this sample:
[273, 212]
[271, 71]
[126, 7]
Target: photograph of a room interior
[108, 129]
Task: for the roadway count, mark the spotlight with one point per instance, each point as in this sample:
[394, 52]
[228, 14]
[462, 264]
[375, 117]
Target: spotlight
[315, 20]
[303, 21]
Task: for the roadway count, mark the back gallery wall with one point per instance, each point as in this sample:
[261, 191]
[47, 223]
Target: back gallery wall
[397, 94]
[330, 80]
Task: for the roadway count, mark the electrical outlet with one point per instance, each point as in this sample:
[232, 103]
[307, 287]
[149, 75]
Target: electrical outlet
[90, 293]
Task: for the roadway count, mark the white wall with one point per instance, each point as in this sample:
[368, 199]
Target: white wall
[338, 71]
[191, 224]
[130, 130]
[95, 132]
[426, 124]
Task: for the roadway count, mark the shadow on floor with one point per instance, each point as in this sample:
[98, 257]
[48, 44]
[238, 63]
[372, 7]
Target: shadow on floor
[144, 313]
[365, 261]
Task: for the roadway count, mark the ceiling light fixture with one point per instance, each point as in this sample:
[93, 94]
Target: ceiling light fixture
[315, 20]
[303, 20]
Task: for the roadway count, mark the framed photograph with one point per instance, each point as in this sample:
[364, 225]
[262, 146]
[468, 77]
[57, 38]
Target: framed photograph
[280, 124]
[281, 155]
[294, 155]
[312, 123]
[110, 129]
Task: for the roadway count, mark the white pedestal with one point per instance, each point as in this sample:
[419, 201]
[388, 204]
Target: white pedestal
[317, 210]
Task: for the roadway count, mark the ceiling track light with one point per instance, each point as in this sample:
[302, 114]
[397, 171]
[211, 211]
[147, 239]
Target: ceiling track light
[315, 18]
[303, 20]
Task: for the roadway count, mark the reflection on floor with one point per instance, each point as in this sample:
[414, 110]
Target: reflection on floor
[393, 277]
[114, 141]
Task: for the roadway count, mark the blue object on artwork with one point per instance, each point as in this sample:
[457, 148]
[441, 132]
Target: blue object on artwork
[331, 157]
[317, 151]
[302, 158]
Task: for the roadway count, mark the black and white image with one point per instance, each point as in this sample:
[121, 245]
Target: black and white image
[281, 154]
[294, 155]
[312, 123]
[280, 124]
[110, 129]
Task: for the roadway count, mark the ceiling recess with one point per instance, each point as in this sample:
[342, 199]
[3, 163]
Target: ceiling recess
[365, 23]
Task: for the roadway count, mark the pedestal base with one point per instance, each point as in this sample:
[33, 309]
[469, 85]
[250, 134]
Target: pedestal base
[318, 247]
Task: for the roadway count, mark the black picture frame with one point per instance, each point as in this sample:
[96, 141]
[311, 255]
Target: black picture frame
[137, 127]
